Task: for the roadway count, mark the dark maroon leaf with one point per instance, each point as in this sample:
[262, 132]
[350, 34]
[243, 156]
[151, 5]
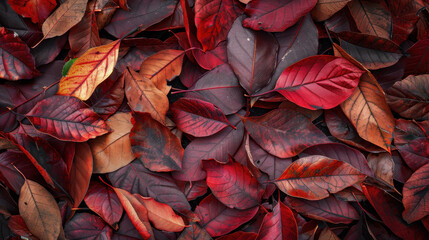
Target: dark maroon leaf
[217, 219]
[135, 178]
[277, 132]
[48, 50]
[218, 146]
[193, 190]
[418, 60]
[87, 226]
[274, 15]
[139, 16]
[194, 232]
[252, 56]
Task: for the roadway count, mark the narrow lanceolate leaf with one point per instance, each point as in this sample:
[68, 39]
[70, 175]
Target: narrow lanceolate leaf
[67, 118]
[416, 195]
[279, 224]
[368, 111]
[276, 132]
[324, 9]
[232, 184]
[65, 17]
[163, 66]
[198, 118]
[274, 15]
[40, 211]
[315, 177]
[89, 70]
[410, 97]
[155, 145]
[329, 209]
[213, 20]
[144, 96]
[371, 18]
[319, 82]
[16, 59]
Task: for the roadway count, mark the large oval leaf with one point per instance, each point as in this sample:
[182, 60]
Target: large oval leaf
[89, 70]
[410, 97]
[40, 211]
[232, 184]
[279, 224]
[416, 195]
[213, 20]
[198, 118]
[17, 61]
[65, 17]
[315, 177]
[319, 82]
[87, 226]
[67, 118]
[274, 15]
[154, 144]
[252, 56]
[276, 132]
[218, 219]
[329, 209]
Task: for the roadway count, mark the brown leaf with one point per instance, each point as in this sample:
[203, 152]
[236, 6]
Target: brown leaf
[40, 211]
[65, 17]
[382, 165]
[113, 151]
[324, 9]
[144, 96]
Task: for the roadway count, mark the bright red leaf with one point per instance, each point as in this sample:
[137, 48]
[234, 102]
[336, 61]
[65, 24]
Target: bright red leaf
[37, 10]
[279, 224]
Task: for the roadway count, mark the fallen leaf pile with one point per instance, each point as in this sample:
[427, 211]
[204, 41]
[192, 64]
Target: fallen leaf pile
[214, 119]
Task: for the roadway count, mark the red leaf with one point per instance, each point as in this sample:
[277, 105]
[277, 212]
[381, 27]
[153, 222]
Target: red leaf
[103, 200]
[139, 16]
[66, 118]
[37, 10]
[319, 82]
[194, 189]
[412, 141]
[240, 236]
[329, 209]
[405, 14]
[213, 20]
[390, 211]
[410, 97]
[194, 232]
[217, 219]
[416, 195]
[276, 132]
[17, 61]
[218, 146]
[252, 56]
[279, 224]
[135, 178]
[314, 177]
[87, 226]
[198, 118]
[418, 60]
[154, 144]
[274, 15]
[80, 173]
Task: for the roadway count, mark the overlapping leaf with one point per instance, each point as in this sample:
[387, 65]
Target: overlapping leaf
[324, 9]
[275, 16]
[319, 82]
[315, 177]
[86, 225]
[66, 118]
[89, 70]
[279, 224]
[277, 132]
[232, 184]
[155, 145]
[37, 10]
[416, 197]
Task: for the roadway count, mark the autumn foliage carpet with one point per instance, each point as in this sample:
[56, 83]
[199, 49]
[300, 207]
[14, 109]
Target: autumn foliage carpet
[214, 119]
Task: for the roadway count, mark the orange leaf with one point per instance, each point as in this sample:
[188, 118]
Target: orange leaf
[136, 212]
[162, 215]
[40, 211]
[89, 70]
[162, 66]
[324, 9]
[65, 17]
[113, 151]
[143, 96]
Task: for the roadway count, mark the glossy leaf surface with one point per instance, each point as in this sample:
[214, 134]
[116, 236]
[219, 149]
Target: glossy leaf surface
[314, 177]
